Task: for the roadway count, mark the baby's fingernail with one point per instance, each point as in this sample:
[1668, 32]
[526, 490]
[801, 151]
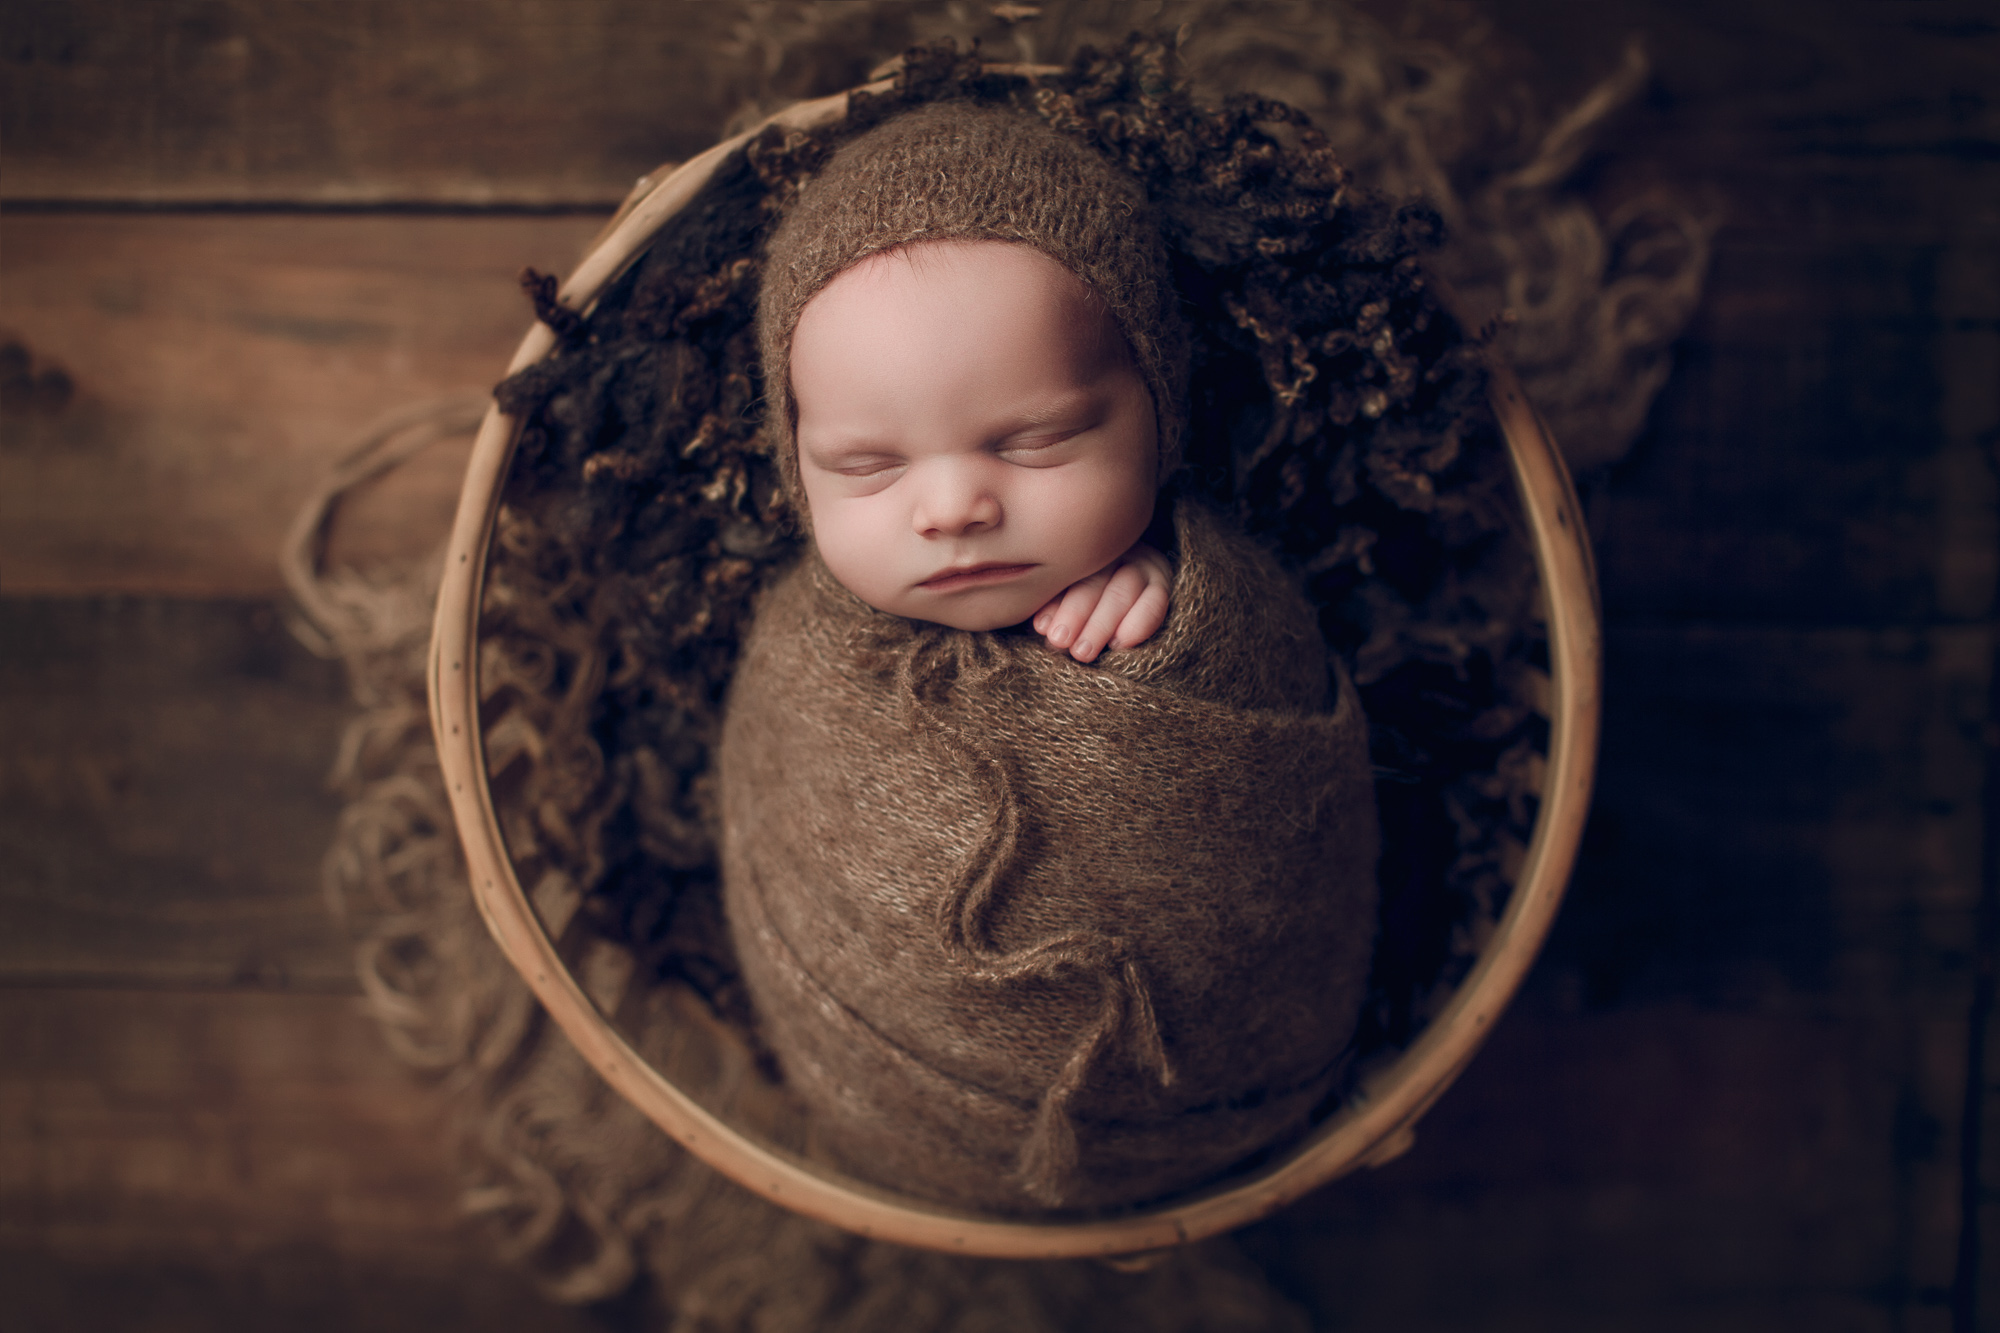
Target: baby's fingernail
[1061, 635]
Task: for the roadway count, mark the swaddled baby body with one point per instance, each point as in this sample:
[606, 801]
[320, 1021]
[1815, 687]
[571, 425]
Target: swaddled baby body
[1049, 861]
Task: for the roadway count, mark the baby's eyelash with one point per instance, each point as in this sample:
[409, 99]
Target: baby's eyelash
[864, 467]
[1029, 444]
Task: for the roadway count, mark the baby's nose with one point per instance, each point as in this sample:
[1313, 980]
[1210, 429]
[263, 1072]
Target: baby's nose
[955, 502]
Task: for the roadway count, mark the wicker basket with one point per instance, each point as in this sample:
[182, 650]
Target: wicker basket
[1375, 1125]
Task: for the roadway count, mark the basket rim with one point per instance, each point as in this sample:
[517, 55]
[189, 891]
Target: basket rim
[1377, 1122]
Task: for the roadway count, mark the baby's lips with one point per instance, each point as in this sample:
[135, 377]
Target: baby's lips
[949, 577]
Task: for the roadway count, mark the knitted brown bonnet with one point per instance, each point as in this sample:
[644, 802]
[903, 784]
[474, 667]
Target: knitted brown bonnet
[959, 171]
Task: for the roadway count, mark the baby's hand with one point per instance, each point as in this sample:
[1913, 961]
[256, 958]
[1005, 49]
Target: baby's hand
[1120, 606]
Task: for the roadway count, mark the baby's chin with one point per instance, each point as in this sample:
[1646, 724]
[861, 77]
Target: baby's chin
[977, 624]
[970, 616]
[992, 607]
[996, 609]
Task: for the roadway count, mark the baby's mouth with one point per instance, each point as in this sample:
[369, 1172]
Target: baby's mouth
[972, 576]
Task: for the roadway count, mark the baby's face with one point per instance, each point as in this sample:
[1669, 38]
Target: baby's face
[973, 436]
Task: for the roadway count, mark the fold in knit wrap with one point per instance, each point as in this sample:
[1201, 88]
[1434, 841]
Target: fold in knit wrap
[1026, 934]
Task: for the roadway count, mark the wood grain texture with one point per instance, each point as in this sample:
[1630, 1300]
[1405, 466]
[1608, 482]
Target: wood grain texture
[215, 364]
[1654, 1169]
[1800, 466]
[176, 1162]
[1786, 816]
[354, 102]
[163, 798]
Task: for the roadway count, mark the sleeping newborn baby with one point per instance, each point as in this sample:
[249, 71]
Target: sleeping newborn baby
[1049, 856]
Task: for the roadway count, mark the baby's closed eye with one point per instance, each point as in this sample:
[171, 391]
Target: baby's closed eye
[1041, 450]
[865, 465]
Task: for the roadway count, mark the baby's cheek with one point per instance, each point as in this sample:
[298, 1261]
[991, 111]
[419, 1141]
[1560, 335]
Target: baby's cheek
[1098, 515]
[854, 548]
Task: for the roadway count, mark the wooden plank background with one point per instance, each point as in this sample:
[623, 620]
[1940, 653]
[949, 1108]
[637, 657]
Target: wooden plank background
[1732, 1094]
[355, 102]
[216, 363]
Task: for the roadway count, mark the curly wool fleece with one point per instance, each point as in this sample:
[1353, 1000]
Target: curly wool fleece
[955, 171]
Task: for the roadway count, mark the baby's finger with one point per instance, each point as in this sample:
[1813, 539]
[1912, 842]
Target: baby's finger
[1148, 613]
[1159, 571]
[1118, 597]
[1072, 610]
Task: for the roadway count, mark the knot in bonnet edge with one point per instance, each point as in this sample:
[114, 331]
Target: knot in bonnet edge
[956, 171]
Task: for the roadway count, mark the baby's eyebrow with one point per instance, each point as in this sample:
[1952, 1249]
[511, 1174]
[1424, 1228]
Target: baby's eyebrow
[830, 442]
[834, 455]
[1054, 410]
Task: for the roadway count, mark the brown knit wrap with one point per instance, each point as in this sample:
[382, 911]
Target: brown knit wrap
[1026, 934]
[957, 171]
